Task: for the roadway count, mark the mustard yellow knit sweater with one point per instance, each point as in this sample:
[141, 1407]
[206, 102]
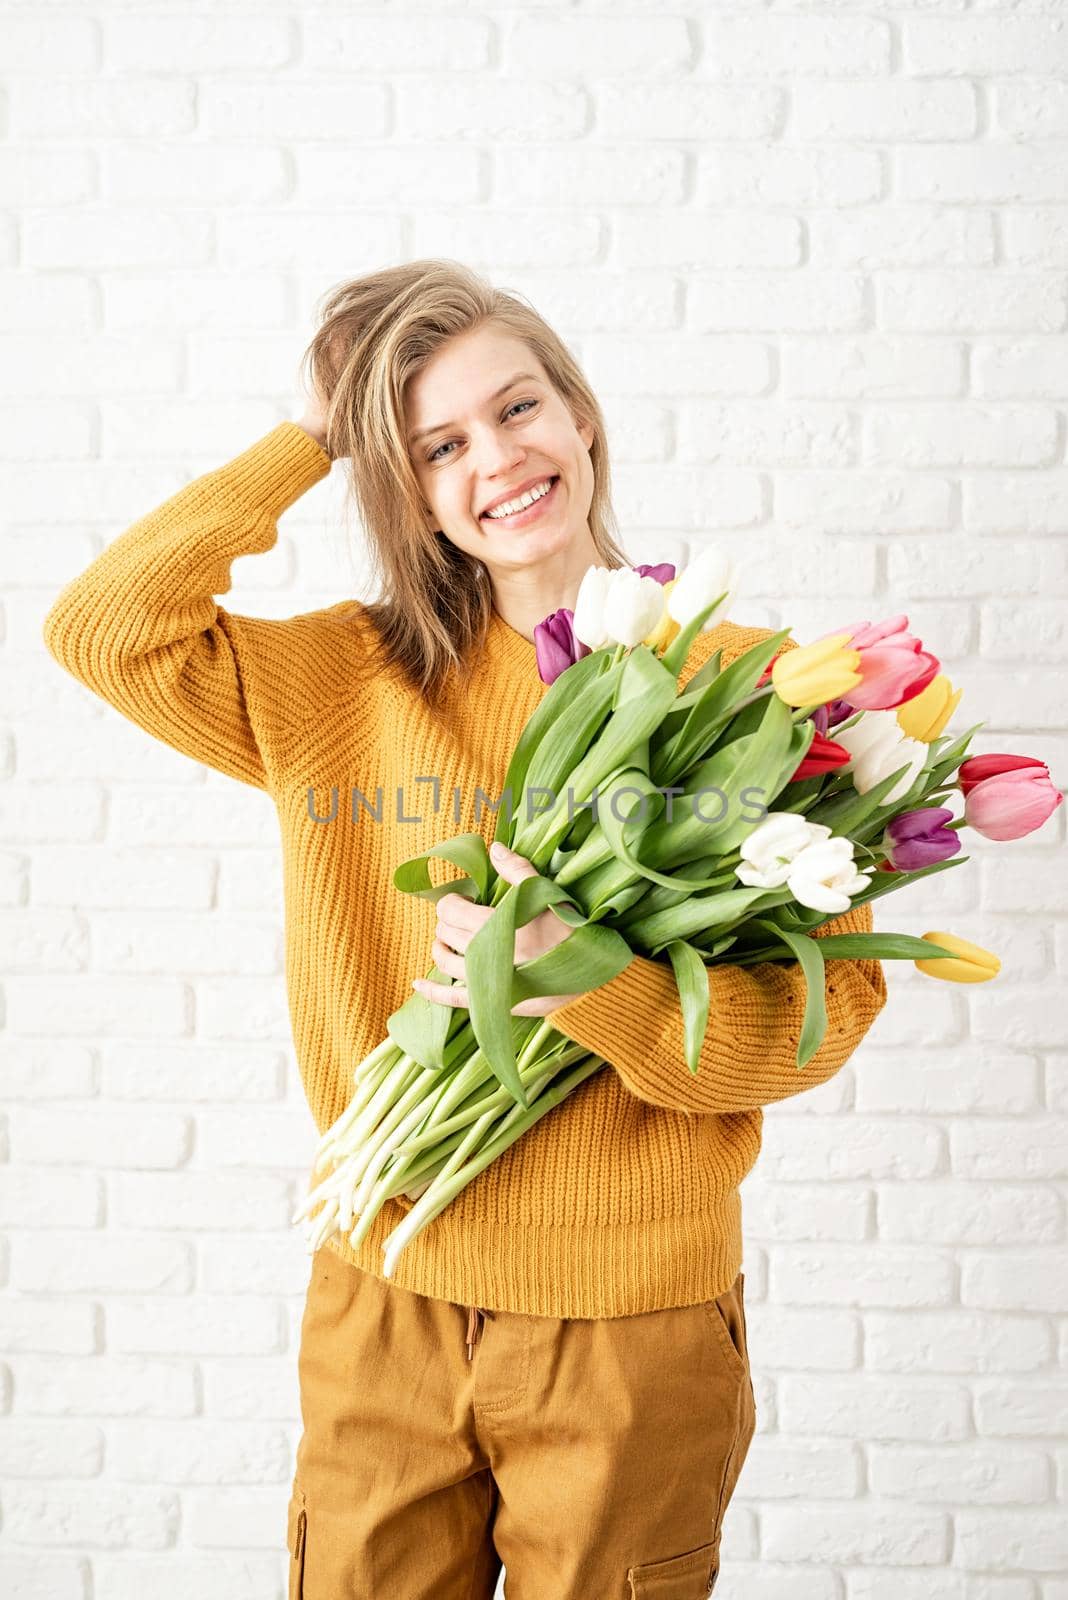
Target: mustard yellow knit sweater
[625, 1198]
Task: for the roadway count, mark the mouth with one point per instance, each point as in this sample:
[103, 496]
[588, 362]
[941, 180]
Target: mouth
[531, 513]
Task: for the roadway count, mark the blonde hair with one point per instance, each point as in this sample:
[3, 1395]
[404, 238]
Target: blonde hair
[376, 333]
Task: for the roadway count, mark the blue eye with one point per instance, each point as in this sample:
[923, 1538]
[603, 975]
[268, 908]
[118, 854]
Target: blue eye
[435, 453]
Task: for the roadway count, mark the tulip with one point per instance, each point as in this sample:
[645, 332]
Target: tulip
[877, 748]
[926, 714]
[588, 622]
[666, 628]
[663, 571]
[698, 584]
[918, 838]
[828, 716]
[816, 672]
[894, 667]
[973, 964]
[556, 646]
[633, 607]
[822, 755]
[770, 849]
[824, 876]
[1012, 801]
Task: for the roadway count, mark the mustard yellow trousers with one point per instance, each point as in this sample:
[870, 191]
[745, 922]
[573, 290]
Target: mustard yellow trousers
[591, 1458]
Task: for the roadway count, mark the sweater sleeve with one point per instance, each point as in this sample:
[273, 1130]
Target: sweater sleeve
[749, 1056]
[140, 626]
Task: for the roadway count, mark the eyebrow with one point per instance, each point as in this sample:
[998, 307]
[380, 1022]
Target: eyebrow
[520, 377]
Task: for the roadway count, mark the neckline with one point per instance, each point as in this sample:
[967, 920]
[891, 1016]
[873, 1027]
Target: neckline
[513, 649]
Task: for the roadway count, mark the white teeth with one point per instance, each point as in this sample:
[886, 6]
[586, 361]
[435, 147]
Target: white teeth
[510, 507]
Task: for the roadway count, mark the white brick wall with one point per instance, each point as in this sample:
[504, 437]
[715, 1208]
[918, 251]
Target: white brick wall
[814, 258]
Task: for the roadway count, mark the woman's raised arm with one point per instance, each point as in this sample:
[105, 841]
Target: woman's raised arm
[140, 626]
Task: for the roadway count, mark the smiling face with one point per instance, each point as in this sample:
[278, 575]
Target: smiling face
[499, 427]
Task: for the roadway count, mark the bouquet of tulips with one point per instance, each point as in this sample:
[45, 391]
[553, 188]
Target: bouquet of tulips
[720, 819]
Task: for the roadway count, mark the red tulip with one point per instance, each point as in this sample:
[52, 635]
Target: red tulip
[822, 755]
[978, 768]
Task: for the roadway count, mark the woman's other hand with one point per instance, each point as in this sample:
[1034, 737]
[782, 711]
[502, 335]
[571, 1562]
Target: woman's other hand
[459, 919]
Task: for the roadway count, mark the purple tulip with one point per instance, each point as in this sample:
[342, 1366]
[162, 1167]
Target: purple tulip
[831, 714]
[919, 838]
[663, 571]
[556, 645]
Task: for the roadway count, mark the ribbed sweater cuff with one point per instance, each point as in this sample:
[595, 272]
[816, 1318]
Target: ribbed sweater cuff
[274, 472]
[631, 1007]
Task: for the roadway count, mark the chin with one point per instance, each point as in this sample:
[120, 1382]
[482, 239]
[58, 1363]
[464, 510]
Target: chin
[538, 546]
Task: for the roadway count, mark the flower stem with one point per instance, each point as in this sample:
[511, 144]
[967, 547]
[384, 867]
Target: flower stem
[449, 1183]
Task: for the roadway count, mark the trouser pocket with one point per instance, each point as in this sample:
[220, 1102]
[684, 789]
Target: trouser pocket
[691, 1576]
[726, 1315]
[296, 1538]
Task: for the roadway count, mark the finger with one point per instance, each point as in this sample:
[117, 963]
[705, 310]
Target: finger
[510, 864]
[447, 960]
[529, 1008]
[541, 1005]
[445, 994]
[450, 934]
[465, 913]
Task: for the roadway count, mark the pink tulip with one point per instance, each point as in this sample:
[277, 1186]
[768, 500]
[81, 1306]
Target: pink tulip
[894, 666]
[1007, 797]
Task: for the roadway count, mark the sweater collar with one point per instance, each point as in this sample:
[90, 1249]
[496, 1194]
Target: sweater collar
[511, 652]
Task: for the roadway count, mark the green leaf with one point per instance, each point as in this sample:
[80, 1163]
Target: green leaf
[712, 817]
[881, 947]
[697, 681]
[691, 978]
[466, 850]
[588, 957]
[562, 693]
[886, 882]
[645, 693]
[949, 760]
[850, 812]
[810, 959]
[710, 707]
[423, 1028]
[563, 745]
[674, 657]
[655, 932]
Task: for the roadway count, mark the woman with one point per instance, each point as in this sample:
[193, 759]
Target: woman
[557, 1376]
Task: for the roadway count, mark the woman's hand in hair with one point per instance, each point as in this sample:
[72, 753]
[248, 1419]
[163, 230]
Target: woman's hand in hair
[313, 420]
[459, 919]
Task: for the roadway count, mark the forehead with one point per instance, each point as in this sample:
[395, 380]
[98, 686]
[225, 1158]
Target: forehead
[464, 373]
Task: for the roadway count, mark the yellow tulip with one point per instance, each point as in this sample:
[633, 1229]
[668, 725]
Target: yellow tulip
[973, 964]
[814, 673]
[666, 628]
[926, 714]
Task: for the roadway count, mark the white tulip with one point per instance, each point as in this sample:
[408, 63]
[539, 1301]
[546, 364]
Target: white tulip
[698, 584]
[633, 606]
[825, 875]
[877, 747]
[769, 851]
[588, 621]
